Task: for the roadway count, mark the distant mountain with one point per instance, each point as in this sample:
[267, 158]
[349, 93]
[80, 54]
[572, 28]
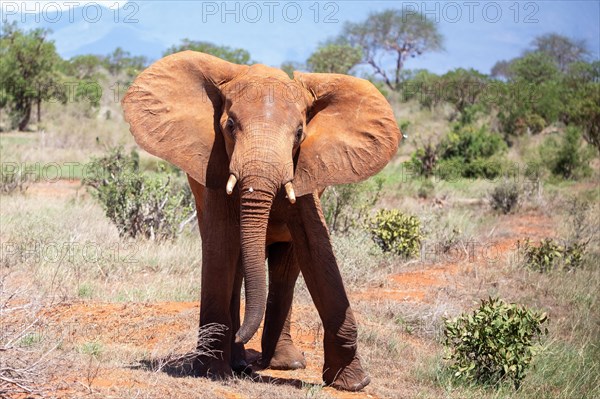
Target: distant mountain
[129, 39]
[74, 34]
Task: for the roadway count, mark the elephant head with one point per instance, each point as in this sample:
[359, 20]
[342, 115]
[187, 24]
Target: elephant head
[254, 129]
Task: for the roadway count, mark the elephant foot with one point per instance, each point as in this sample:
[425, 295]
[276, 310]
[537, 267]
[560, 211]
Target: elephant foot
[286, 357]
[241, 368]
[349, 378]
[239, 364]
[210, 367]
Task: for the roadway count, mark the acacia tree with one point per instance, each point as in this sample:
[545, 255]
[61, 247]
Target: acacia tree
[27, 71]
[334, 58]
[122, 61]
[235, 55]
[397, 33]
[463, 88]
[561, 49]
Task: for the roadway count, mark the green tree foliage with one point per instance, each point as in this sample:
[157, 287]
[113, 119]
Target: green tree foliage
[235, 55]
[463, 88]
[121, 61]
[582, 97]
[27, 71]
[532, 98]
[334, 58]
[400, 34]
[494, 344]
[87, 71]
[567, 158]
[83, 67]
[551, 82]
[560, 50]
[423, 86]
[535, 68]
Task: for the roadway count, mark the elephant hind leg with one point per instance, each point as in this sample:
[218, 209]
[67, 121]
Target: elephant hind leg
[278, 350]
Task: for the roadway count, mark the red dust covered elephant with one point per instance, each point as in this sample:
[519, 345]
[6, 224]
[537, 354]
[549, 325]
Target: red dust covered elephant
[258, 148]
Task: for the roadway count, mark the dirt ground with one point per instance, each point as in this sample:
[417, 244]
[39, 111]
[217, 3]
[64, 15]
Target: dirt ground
[104, 339]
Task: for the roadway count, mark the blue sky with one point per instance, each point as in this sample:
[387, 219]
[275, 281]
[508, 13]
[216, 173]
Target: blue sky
[476, 34]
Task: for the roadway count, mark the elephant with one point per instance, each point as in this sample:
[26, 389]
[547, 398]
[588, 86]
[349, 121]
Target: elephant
[259, 148]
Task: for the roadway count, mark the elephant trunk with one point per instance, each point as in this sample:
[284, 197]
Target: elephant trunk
[255, 206]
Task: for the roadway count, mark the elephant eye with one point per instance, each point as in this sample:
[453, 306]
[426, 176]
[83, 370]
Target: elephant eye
[230, 124]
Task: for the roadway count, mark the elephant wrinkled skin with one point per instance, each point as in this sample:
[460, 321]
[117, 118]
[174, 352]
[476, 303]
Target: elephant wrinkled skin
[258, 148]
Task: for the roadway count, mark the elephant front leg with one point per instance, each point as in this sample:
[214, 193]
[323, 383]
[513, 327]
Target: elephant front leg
[220, 259]
[342, 368]
[278, 350]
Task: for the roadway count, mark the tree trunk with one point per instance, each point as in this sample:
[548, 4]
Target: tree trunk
[26, 117]
[39, 110]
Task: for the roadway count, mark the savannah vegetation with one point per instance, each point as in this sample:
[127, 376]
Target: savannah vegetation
[506, 160]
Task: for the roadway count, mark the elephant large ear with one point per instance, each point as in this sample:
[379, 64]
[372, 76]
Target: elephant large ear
[173, 109]
[351, 134]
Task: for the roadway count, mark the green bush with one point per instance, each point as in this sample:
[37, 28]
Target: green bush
[550, 255]
[156, 207]
[472, 152]
[466, 152]
[567, 158]
[424, 160]
[470, 143]
[505, 197]
[347, 206]
[396, 232]
[495, 343]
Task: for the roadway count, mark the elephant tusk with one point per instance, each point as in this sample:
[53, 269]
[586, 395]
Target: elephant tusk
[230, 184]
[289, 189]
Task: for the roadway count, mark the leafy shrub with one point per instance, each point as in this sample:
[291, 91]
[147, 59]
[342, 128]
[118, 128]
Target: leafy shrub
[505, 197]
[472, 151]
[496, 343]
[396, 232]
[347, 206]
[567, 158]
[550, 255]
[155, 207]
[467, 151]
[423, 160]
[471, 143]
